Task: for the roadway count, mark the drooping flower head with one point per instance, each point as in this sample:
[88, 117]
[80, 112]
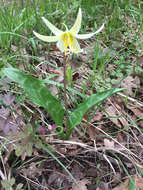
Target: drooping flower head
[67, 41]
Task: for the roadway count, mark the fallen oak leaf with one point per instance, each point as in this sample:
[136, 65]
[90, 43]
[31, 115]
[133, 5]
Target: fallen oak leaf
[81, 185]
[130, 83]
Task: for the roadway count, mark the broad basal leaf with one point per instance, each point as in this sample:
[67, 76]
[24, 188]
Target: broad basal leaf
[38, 93]
[76, 116]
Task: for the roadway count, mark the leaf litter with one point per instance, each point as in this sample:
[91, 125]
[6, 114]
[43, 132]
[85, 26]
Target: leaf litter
[113, 118]
[114, 130]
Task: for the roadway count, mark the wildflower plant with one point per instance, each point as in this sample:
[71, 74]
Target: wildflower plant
[41, 95]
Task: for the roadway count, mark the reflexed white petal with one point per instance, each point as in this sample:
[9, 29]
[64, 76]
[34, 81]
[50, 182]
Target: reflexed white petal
[54, 29]
[86, 36]
[76, 27]
[65, 27]
[46, 38]
[75, 47]
[60, 45]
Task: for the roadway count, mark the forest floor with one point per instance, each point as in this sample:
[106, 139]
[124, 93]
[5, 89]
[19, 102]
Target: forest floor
[103, 152]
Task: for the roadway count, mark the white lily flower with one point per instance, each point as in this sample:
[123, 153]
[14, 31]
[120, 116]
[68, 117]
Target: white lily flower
[67, 41]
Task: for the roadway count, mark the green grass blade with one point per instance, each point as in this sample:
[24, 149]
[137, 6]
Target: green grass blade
[132, 185]
[49, 152]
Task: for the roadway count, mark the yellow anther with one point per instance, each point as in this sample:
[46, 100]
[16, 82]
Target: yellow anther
[68, 41]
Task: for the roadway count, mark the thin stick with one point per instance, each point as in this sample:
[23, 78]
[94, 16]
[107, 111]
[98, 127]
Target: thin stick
[65, 92]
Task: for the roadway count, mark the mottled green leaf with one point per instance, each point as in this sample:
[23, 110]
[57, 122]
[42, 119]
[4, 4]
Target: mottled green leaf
[38, 93]
[76, 116]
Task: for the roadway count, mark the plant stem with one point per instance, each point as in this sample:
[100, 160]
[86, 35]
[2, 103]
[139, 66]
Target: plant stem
[65, 92]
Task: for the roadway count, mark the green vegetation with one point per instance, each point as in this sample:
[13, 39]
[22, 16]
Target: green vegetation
[104, 126]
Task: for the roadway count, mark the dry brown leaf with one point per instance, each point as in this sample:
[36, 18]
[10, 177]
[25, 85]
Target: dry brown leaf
[92, 132]
[97, 117]
[81, 185]
[123, 121]
[120, 137]
[77, 172]
[129, 83]
[125, 186]
[53, 177]
[31, 171]
[112, 112]
[108, 143]
[73, 149]
[135, 110]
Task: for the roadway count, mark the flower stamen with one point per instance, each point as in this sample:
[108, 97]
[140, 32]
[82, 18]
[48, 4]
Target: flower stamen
[68, 41]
